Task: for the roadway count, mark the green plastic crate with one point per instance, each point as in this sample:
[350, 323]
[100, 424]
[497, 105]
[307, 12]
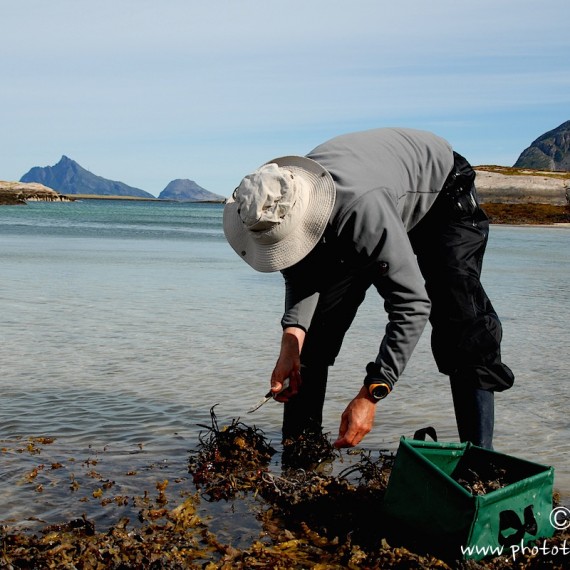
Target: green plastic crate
[427, 508]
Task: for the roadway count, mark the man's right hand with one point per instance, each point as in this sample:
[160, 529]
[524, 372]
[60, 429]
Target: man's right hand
[356, 420]
[288, 364]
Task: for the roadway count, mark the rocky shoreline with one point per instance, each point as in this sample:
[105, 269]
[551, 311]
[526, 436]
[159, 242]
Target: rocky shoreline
[14, 193]
[508, 195]
[503, 185]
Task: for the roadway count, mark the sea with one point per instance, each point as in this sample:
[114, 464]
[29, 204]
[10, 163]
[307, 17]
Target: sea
[128, 329]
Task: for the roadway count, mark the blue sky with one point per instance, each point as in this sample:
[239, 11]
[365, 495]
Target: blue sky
[146, 92]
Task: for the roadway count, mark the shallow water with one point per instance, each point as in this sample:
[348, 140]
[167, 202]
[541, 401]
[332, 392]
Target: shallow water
[123, 323]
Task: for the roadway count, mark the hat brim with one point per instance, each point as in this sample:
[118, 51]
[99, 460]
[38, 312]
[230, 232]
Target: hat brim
[307, 233]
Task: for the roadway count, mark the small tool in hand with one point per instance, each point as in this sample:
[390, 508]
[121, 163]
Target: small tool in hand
[269, 396]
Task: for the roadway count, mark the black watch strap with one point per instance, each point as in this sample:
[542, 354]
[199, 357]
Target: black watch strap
[378, 388]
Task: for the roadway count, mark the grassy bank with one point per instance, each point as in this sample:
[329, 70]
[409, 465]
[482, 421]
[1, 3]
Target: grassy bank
[512, 171]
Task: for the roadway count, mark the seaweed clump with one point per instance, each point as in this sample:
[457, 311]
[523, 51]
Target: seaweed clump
[174, 540]
[309, 519]
[542, 214]
[338, 510]
[481, 482]
[311, 449]
[229, 460]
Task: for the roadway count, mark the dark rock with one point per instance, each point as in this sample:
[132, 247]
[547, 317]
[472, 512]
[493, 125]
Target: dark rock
[550, 151]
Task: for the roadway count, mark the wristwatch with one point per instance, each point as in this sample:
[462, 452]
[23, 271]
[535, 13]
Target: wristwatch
[379, 391]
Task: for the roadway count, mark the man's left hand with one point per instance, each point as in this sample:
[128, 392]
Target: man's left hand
[356, 420]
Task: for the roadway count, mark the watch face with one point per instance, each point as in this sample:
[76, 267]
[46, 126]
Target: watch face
[379, 391]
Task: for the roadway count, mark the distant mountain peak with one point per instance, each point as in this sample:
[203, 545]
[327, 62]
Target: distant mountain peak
[66, 160]
[69, 177]
[184, 189]
[550, 151]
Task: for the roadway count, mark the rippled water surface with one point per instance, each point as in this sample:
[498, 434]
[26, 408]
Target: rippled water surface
[123, 323]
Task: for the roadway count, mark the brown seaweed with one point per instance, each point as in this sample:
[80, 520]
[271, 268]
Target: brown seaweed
[309, 519]
[309, 450]
[229, 460]
[477, 484]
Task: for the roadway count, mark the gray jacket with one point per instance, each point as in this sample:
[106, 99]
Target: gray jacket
[386, 180]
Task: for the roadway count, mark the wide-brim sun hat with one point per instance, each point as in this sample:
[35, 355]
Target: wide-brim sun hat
[278, 214]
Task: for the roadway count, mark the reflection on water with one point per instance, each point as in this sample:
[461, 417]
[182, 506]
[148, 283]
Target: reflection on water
[118, 348]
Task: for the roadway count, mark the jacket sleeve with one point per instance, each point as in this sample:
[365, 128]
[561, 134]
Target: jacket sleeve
[373, 230]
[300, 304]
[301, 292]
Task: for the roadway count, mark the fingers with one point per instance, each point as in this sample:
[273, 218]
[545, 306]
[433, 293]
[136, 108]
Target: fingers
[350, 439]
[284, 389]
[276, 386]
[341, 441]
[292, 390]
[295, 382]
[356, 420]
[277, 380]
[288, 365]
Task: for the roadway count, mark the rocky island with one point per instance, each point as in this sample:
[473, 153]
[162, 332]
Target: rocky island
[21, 192]
[70, 178]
